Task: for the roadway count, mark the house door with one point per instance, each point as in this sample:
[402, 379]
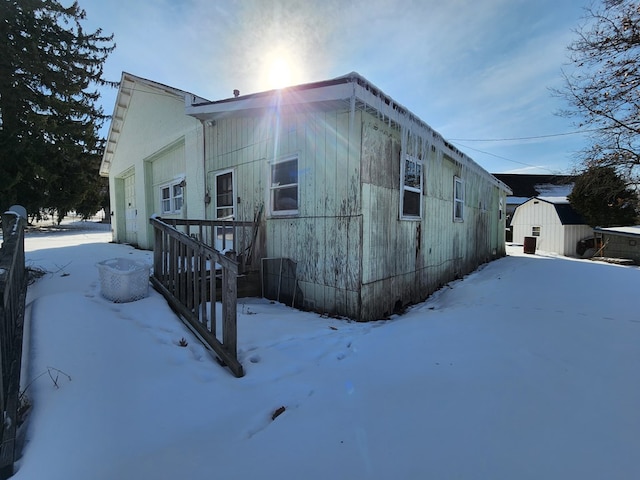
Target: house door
[130, 210]
[225, 209]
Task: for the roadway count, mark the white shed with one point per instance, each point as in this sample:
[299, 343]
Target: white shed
[554, 223]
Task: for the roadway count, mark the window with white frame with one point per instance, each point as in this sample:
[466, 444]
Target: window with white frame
[458, 199]
[172, 197]
[284, 186]
[535, 231]
[411, 187]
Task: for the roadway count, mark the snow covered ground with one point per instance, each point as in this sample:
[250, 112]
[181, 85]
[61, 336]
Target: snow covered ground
[526, 369]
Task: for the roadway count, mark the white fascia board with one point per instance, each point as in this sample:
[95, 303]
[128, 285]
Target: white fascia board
[631, 231]
[283, 98]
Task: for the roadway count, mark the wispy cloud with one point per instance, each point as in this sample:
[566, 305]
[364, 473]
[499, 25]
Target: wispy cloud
[467, 68]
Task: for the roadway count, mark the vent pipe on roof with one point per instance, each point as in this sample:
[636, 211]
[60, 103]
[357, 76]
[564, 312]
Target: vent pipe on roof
[236, 93]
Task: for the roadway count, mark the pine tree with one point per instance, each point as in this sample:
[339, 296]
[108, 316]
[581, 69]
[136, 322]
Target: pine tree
[50, 69]
[603, 198]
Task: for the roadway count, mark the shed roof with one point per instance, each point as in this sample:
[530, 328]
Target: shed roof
[566, 213]
[528, 186]
[630, 231]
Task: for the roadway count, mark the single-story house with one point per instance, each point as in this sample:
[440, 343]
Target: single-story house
[619, 242]
[371, 206]
[553, 222]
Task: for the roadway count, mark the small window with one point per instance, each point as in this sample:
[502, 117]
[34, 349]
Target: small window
[411, 188]
[535, 231]
[172, 197]
[500, 208]
[458, 199]
[284, 187]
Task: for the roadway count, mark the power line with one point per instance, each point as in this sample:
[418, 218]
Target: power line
[502, 158]
[535, 137]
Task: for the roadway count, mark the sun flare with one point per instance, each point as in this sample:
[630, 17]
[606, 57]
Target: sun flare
[280, 73]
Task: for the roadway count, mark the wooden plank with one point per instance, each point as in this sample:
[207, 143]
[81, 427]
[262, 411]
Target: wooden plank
[13, 287]
[229, 311]
[188, 319]
[191, 283]
[185, 290]
[212, 298]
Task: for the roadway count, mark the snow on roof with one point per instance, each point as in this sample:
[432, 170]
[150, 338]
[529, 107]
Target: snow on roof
[633, 230]
[554, 200]
[550, 190]
[516, 200]
[527, 186]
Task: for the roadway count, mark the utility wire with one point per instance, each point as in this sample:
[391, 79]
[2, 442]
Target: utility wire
[536, 137]
[502, 158]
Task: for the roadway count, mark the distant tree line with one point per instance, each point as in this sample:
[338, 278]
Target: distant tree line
[50, 147]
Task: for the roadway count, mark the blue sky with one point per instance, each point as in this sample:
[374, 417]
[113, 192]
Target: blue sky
[472, 69]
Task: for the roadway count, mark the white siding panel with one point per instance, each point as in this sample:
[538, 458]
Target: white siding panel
[572, 235]
[153, 120]
[167, 166]
[554, 237]
[539, 214]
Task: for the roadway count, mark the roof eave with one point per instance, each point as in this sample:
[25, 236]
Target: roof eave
[350, 90]
[282, 98]
[125, 92]
[612, 231]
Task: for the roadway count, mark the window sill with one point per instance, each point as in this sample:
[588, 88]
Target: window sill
[287, 214]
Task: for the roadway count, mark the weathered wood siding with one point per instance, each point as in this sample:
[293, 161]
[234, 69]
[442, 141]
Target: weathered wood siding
[406, 260]
[324, 237]
[572, 235]
[621, 246]
[354, 255]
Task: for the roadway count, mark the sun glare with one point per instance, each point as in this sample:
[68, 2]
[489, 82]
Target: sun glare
[279, 75]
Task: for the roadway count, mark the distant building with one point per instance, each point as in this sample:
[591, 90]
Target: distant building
[553, 222]
[524, 187]
[620, 242]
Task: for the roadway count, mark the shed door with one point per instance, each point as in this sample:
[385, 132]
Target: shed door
[224, 209]
[130, 211]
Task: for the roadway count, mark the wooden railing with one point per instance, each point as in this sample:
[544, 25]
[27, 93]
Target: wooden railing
[224, 235]
[13, 288]
[192, 275]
